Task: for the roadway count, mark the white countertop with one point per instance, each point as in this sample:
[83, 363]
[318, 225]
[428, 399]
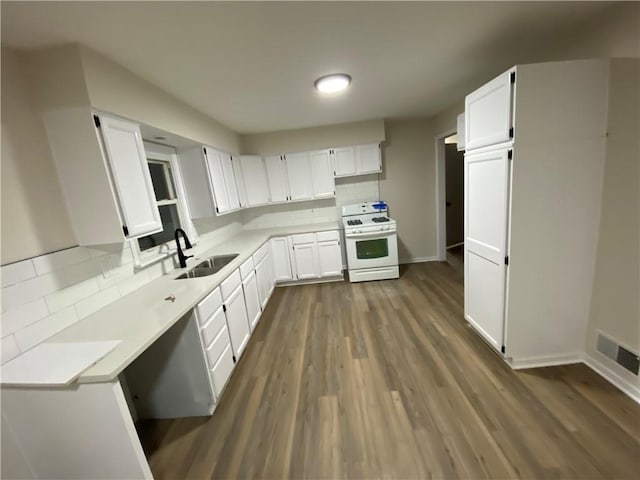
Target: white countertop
[140, 318]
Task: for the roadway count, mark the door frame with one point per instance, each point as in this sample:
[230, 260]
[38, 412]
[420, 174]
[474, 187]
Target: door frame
[441, 194]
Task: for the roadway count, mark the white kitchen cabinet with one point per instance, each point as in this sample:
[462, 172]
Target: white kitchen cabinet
[530, 227]
[329, 254]
[210, 182]
[299, 176]
[102, 168]
[240, 183]
[256, 183]
[262, 277]
[252, 299]
[221, 371]
[324, 185]
[489, 112]
[281, 259]
[344, 161]
[305, 254]
[368, 159]
[277, 177]
[237, 320]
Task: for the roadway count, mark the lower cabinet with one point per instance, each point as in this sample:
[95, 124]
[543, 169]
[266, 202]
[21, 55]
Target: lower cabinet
[262, 277]
[316, 255]
[221, 371]
[252, 299]
[281, 259]
[237, 321]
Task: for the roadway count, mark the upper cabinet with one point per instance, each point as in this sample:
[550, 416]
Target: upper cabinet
[368, 158]
[255, 182]
[102, 167]
[344, 160]
[277, 178]
[324, 185]
[299, 176]
[357, 160]
[489, 112]
[210, 182]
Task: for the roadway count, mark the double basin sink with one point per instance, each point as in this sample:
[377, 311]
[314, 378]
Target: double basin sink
[209, 266]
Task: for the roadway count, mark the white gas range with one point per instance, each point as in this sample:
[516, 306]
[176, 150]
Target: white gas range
[372, 247]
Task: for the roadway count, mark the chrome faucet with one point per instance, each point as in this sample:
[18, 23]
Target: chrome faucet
[182, 258]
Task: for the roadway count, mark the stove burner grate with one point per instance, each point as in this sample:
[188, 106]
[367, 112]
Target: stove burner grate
[354, 222]
[380, 219]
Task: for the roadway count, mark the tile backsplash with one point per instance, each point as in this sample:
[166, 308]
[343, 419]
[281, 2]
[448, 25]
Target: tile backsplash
[43, 295]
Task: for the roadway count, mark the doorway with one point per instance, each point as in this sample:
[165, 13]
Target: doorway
[450, 175]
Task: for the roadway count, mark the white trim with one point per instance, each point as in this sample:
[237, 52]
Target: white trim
[441, 194]
[310, 281]
[544, 361]
[418, 260]
[629, 389]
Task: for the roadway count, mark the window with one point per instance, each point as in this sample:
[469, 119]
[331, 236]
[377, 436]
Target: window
[170, 197]
[167, 200]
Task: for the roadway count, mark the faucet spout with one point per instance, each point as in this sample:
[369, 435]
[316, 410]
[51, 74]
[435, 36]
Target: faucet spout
[182, 258]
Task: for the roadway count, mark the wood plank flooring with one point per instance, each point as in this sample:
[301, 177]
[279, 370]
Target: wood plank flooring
[386, 380]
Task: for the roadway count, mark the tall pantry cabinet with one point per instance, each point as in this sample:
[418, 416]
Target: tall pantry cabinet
[535, 143]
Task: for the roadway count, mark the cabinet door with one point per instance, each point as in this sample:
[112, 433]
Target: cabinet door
[322, 174]
[128, 161]
[216, 179]
[488, 113]
[299, 176]
[306, 258]
[368, 158]
[230, 181]
[486, 195]
[276, 174]
[262, 278]
[330, 258]
[344, 159]
[255, 180]
[271, 275]
[240, 184]
[237, 321]
[281, 261]
[252, 299]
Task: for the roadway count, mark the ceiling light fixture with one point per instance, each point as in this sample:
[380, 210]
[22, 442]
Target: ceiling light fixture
[333, 83]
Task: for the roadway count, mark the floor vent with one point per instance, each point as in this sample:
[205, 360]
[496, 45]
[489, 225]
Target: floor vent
[618, 353]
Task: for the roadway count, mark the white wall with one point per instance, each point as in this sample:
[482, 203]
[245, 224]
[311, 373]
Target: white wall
[408, 185]
[615, 308]
[112, 88]
[34, 217]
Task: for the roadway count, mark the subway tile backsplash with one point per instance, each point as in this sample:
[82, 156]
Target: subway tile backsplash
[43, 295]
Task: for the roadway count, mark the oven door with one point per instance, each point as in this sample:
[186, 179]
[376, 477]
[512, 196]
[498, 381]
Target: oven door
[373, 249]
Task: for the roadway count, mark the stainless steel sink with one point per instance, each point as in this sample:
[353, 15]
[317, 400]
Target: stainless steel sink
[208, 267]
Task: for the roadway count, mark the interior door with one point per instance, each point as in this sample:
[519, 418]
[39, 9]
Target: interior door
[486, 227]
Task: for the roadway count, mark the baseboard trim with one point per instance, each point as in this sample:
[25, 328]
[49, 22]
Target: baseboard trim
[630, 390]
[417, 260]
[546, 361]
[339, 278]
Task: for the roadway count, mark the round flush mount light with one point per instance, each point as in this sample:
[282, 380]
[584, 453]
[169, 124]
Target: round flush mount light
[333, 83]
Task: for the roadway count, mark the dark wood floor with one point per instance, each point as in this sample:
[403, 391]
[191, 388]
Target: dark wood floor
[386, 379]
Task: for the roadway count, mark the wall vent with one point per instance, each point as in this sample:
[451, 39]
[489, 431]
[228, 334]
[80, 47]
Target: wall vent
[619, 354]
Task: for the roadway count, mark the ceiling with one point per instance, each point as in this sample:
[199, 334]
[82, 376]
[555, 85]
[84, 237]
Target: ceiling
[251, 66]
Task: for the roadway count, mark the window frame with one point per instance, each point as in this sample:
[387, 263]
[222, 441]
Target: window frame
[157, 153]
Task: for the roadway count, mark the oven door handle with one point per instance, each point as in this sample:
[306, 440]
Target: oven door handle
[383, 233]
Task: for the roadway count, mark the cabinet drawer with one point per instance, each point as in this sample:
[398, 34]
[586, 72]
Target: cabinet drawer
[207, 306]
[246, 268]
[230, 284]
[215, 350]
[303, 238]
[221, 372]
[212, 327]
[327, 236]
